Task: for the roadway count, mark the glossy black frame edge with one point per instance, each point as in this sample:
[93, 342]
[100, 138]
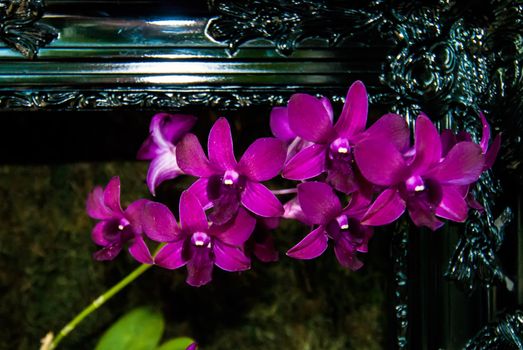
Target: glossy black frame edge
[449, 59]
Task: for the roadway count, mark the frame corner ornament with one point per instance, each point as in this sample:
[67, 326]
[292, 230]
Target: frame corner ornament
[505, 333]
[20, 29]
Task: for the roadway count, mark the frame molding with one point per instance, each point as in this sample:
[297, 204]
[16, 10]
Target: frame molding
[449, 59]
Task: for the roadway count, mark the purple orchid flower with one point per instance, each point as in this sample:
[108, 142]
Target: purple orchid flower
[225, 184]
[192, 346]
[160, 147]
[448, 140]
[281, 129]
[261, 243]
[116, 227]
[195, 243]
[341, 225]
[331, 145]
[420, 180]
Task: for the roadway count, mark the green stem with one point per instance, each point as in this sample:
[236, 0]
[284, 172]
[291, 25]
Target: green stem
[97, 303]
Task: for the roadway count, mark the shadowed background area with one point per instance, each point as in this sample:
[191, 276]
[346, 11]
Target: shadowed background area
[48, 164]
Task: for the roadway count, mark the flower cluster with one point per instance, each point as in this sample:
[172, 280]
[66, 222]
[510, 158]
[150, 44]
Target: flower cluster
[349, 178]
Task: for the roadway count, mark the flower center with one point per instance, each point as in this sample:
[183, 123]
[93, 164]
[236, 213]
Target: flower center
[201, 239]
[230, 177]
[415, 184]
[343, 222]
[123, 224]
[340, 146]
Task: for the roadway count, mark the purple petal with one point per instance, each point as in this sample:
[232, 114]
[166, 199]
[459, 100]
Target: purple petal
[309, 119]
[199, 266]
[159, 223]
[448, 140]
[328, 107]
[312, 246]
[163, 167]
[386, 208]
[108, 253]
[485, 135]
[225, 205]
[346, 254]
[270, 223]
[148, 150]
[306, 164]
[473, 203]
[380, 162]
[165, 130]
[112, 195]
[293, 211]
[427, 145]
[230, 258]
[318, 201]
[453, 205]
[220, 147]
[237, 230]
[463, 136]
[280, 127]
[95, 205]
[353, 117]
[492, 153]
[192, 216]
[139, 251]
[260, 200]
[134, 214]
[105, 232]
[193, 346]
[342, 177]
[391, 127]
[264, 249]
[462, 166]
[171, 255]
[422, 215]
[359, 203]
[191, 159]
[263, 159]
[199, 189]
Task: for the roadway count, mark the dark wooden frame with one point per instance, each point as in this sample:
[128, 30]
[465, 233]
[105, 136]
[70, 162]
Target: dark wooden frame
[447, 59]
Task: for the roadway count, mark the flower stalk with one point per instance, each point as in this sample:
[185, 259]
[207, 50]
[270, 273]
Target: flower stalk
[95, 305]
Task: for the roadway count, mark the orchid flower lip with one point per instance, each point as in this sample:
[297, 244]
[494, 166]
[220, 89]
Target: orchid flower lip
[343, 222]
[340, 145]
[415, 184]
[123, 224]
[200, 239]
[230, 177]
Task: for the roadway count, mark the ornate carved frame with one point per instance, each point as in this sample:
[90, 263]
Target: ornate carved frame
[449, 59]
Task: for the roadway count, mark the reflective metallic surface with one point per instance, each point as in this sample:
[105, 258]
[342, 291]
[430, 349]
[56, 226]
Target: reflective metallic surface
[448, 59]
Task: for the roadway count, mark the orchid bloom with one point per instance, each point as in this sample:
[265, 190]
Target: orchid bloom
[192, 346]
[160, 147]
[116, 227]
[261, 242]
[331, 145]
[195, 242]
[423, 181]
[225, 184]
[280, 128]
[341, 225]
[448, 140]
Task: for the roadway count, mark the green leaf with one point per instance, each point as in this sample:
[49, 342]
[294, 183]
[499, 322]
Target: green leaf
[176, 344]
[139, 329]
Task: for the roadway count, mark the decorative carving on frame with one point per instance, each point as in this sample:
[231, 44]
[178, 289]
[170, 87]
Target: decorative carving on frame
[287, 23]
[506, 333]
[143, 99]
[20, 29]
[446, 58]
